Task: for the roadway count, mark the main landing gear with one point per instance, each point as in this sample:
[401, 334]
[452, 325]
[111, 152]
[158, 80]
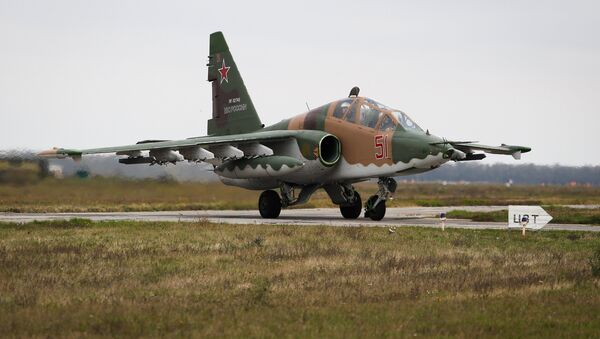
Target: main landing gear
[353, 209]
[375, 206]
[344, 195]
[269, 204]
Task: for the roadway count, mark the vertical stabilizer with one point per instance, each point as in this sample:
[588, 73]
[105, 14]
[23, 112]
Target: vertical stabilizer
[233, 111]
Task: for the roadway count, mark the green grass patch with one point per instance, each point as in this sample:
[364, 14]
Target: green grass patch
[111, 194]
[495, 216]
[560, 215]
[152, 279]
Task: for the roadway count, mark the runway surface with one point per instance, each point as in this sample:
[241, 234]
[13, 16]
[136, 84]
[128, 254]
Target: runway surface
[400, 216]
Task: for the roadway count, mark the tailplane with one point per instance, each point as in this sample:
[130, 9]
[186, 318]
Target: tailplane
[233, 110]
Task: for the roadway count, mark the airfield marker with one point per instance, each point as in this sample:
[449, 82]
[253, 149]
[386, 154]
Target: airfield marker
[443, 220]
[536, 217]
[524, 222]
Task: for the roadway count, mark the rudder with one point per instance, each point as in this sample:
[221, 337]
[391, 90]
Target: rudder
[233, 110]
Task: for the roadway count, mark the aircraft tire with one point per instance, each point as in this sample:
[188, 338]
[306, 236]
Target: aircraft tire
[269, 204]
[376, 213]
[352, 211]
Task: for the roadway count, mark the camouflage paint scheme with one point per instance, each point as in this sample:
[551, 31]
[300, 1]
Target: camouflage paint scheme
[345, 141]
[399, 152]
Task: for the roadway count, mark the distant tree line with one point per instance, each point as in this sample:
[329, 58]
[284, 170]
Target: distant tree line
[109, 166]
[519, 174]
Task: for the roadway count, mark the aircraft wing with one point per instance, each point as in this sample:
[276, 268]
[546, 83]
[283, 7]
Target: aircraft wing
[470, 147]
[209, 148]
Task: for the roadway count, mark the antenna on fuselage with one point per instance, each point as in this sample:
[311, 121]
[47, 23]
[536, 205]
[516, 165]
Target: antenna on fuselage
[354, 92]
[308, 108]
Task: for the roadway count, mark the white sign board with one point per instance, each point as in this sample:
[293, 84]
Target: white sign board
[538, 218]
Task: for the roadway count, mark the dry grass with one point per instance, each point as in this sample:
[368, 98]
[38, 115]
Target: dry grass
[102, 194]
[106, 194]
[155, 279]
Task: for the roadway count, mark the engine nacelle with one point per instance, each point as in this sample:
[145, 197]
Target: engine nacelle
[265, 167]
[318, 145]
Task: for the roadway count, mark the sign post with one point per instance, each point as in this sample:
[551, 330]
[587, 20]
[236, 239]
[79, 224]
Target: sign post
[524, 222]
[443, 220]
[527, 217]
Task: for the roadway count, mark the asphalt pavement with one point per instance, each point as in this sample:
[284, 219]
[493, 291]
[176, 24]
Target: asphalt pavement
[398, 216]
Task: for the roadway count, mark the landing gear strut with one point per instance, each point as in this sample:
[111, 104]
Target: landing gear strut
[375, 206]
[346, 197]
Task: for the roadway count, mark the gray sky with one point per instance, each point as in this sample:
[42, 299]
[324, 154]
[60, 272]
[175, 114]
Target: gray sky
[101, 73]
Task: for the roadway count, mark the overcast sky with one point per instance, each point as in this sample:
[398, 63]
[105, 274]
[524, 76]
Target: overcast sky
[101, 73]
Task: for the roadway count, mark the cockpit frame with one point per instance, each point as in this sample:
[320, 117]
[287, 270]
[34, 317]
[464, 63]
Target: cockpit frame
[371, 114]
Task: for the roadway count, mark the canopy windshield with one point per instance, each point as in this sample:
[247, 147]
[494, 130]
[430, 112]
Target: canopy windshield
[402, 118]
[372, 114]
[406, 122]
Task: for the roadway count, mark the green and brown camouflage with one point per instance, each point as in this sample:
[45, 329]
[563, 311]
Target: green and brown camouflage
[233, 110]
[275, 166]
[345, 141]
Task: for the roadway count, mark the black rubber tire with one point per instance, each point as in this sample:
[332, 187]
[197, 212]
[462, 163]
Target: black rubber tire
[269, 204]
[352, 211]
[378, 212]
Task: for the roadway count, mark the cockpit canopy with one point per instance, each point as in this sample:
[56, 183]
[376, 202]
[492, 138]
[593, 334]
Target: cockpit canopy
[372, 114]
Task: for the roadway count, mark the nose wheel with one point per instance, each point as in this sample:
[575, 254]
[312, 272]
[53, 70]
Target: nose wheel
[375, 208]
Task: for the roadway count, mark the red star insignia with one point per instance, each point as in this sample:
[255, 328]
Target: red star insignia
[224, 70]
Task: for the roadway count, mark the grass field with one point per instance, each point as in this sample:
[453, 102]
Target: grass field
[73, 278]
[560, 215]
[104, 194]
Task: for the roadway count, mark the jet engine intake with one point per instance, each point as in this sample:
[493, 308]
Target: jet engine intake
[330, 150]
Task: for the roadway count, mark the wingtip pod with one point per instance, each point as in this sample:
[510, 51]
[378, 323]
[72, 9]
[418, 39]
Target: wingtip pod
[59, 153]
[522, 149]
[517, 151]
[52, 153]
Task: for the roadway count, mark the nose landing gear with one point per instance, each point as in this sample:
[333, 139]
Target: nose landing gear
[375, 206]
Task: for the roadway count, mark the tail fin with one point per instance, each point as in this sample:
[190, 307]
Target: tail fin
[233, 111]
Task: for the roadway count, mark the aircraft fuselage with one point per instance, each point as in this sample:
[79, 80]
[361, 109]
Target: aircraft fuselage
[375, 141]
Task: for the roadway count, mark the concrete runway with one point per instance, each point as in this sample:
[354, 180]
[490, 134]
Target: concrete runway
[400, 216]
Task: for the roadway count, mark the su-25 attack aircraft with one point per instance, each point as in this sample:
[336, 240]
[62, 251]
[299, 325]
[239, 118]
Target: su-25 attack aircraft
[331, 147]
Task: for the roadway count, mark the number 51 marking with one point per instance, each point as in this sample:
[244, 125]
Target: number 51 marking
[381, 147]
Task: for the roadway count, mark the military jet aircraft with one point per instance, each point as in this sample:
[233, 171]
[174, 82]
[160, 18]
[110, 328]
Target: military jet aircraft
[332, 147]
